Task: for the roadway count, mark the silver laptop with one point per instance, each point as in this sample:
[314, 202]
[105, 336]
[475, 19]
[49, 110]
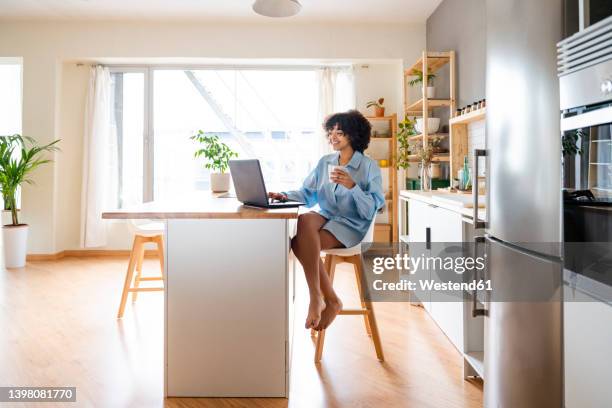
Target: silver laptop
[250, 187]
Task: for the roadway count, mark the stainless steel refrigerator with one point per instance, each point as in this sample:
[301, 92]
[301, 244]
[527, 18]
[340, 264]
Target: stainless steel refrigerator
[523, 315]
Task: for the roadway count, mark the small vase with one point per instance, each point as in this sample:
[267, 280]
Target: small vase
[434, 169]
[425, 177]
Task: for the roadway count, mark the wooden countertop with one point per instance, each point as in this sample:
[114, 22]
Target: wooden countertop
[198, 206]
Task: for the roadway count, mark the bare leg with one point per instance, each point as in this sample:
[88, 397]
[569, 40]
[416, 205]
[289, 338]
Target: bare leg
[333, 304]
[307, 248]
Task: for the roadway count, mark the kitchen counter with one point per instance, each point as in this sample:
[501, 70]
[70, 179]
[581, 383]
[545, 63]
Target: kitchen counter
[459, 203]
[203, 205]
[227, 267]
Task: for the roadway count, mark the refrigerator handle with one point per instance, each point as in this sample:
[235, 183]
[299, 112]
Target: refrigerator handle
[477, 153]
[476, 311]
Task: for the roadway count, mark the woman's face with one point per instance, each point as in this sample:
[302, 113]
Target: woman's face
[337, 138]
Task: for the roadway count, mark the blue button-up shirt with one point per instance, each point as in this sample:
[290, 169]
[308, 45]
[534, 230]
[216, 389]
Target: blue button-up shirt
[349, 211]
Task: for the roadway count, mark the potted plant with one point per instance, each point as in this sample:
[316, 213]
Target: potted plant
[217, 155]
[19, 157]
[431, 90]
[405, 131]
[379, 107]
[413, 150]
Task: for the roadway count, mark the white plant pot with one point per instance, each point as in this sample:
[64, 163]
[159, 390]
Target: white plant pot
[431, 92]
[15, 242]
[219, 182]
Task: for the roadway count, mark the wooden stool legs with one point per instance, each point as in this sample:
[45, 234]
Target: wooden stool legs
[135, 263]
[366, 306]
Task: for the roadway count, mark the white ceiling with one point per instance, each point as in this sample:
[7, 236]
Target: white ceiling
[363, 11]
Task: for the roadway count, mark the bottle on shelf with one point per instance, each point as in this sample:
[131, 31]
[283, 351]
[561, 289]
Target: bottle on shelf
[466, 181]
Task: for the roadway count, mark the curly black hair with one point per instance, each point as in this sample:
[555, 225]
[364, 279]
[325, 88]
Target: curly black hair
[354, 125]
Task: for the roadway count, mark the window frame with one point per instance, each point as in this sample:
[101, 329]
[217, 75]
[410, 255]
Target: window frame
[149, 89]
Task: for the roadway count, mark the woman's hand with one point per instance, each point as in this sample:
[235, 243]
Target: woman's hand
[342, 177]
[278, 196]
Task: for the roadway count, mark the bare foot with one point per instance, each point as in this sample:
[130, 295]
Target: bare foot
[317, 304]
[332, 308]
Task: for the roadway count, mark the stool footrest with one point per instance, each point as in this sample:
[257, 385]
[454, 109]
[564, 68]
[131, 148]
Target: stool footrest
[144, 289]
[353, 311]
[151, 278]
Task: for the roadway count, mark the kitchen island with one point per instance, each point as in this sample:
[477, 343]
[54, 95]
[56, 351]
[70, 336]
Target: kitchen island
[228, 296]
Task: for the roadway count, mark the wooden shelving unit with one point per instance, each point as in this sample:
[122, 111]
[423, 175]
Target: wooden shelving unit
[458, 127]
[430, 62]
[387, 231]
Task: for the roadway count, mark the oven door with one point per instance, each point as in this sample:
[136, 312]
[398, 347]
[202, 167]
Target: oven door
[587, 216]
[587, 152]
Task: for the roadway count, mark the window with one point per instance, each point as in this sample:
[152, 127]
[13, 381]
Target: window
[128, 126]
[10, 97]
[264, 113]
[10, 103]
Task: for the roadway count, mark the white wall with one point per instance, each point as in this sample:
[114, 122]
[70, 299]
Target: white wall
[54, 87]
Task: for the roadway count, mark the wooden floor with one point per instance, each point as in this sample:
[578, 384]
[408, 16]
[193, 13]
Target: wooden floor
[58, 328]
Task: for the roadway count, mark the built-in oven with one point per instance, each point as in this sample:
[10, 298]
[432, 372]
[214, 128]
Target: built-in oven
[585, 77]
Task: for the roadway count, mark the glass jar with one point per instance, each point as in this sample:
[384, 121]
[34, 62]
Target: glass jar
[425, 177]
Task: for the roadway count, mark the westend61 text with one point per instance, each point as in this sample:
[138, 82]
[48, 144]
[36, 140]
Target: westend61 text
[432, 285]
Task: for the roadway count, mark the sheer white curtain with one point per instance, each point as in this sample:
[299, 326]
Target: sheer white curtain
[96, 158]
[336, 94]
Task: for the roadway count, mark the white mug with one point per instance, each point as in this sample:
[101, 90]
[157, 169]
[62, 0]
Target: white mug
[332, 167]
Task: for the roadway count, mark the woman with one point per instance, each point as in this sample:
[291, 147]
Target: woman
[348, 198]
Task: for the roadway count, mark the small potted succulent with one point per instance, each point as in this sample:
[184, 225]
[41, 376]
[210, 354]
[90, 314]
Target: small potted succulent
[217, 155]
[431, 90]
[379, 107]
[19, 157]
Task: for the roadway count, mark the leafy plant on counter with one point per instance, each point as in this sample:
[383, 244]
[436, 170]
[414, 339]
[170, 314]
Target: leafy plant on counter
[216, 153]
[419, 78]
[569, 142]
[379, 103]
[19, 157]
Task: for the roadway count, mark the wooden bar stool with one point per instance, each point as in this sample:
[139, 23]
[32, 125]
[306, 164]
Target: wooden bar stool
[353, 256]
[150, 232]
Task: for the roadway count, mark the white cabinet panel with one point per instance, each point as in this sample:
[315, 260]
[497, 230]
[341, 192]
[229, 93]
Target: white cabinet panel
[446, 226]
[216, 296]
[588, 351]
[418, 220]
[418, 223]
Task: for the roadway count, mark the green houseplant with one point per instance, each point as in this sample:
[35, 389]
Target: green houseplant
[217, 155]
[418, 80]
[379, 107]
[19, 157]
[405, 131]
[410, 149]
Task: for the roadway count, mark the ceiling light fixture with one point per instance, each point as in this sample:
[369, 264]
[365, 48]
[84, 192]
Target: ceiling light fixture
[277, 8]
